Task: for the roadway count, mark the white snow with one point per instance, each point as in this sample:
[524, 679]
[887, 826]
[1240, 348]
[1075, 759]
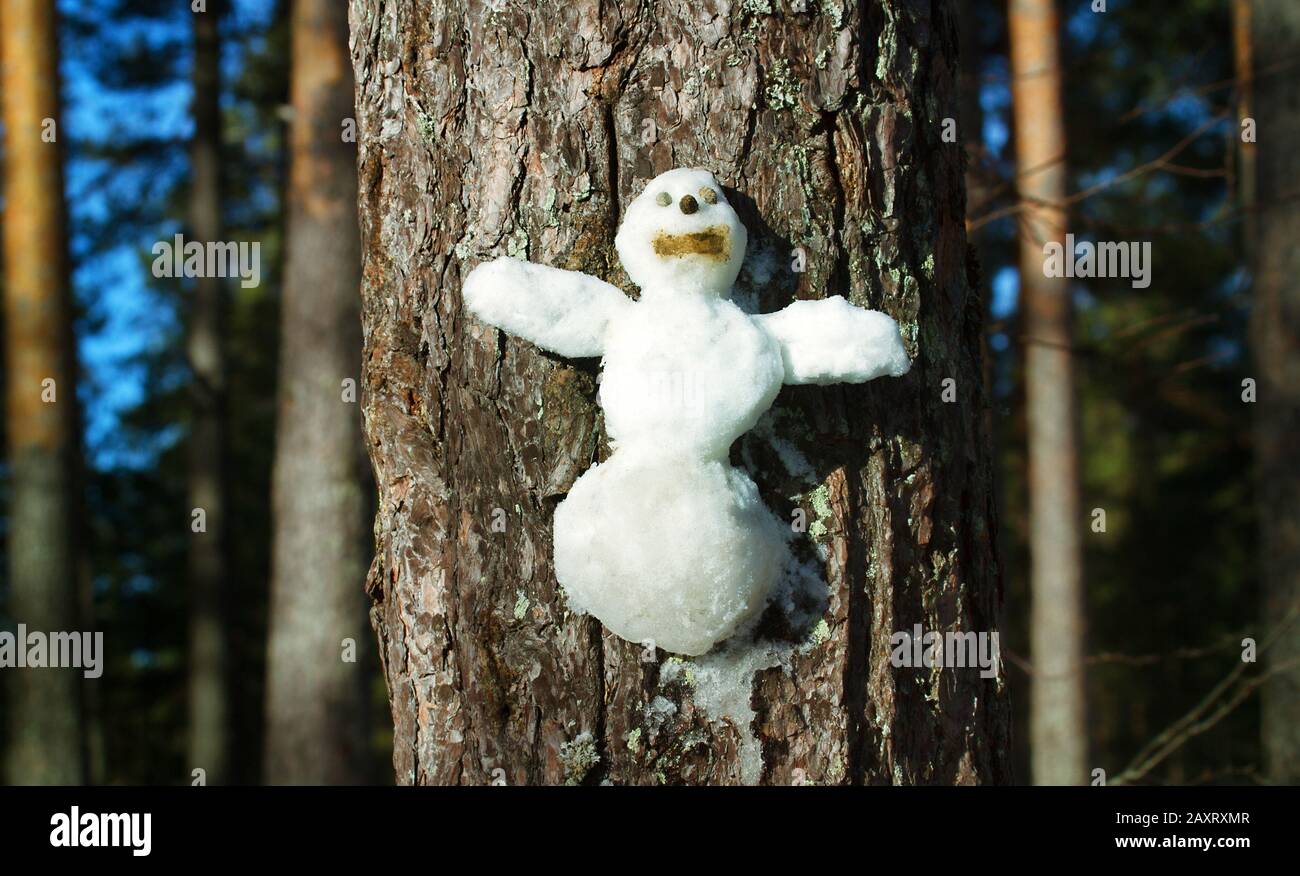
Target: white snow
[792, 458]
[665, 542]
[660, 711]
[670, 550]
[724, 686]
[564, 311]
[687, 374]
[650, 227]
[831, 341]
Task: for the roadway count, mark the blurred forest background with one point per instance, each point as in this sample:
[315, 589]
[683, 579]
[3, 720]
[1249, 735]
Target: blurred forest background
[1151, 99]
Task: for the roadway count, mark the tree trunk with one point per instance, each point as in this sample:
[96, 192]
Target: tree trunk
[978, 188]
[209, 719]
[970, 86]
[1243, 64]
[315, 692]
[525, 129]
[1276, 327]
[1057, 730]
[45, 742]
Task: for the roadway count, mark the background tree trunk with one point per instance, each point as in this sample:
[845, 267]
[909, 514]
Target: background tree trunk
[209, 722]
[1058, 733]
[1276, 328]
[1243, 63]
[524, 129]
[45, 744]
[316, 699]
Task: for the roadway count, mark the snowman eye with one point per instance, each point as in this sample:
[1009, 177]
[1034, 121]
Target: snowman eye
[709, 195]
[663, 199]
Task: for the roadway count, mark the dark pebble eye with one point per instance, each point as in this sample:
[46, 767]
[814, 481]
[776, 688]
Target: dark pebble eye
[688, 204]
[663, 199]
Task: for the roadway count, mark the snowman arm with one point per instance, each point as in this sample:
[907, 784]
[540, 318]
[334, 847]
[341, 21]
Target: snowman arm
[831, 341]
[562, 311]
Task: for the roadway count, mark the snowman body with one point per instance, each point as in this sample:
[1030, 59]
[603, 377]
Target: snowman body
[667, 528]
[665, 542]
[666, 374]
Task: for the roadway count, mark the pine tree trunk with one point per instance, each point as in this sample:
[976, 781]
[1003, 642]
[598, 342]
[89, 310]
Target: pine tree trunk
[45, 743]
[315, 691]
[1243, 63]
[1276, 326]
[525, 129]
[978, 189]
[209, 718]
[1058, 734]
[970, 87]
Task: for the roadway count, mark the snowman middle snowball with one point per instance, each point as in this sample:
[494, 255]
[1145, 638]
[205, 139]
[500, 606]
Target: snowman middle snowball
[665, 542]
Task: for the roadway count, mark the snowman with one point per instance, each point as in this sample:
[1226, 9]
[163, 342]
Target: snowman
[665, 542]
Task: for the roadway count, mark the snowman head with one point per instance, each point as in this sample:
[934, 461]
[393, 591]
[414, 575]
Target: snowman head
[680, 234]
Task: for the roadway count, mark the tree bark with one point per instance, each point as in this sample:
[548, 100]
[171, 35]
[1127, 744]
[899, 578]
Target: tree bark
[524, 129]
[45, 741]
[977, 187]
[209, 713]
[315, 692]
[1057, 730]
[1276, 327]
[970, 86]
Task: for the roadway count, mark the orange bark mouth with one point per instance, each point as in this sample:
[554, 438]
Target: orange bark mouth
[713, 243]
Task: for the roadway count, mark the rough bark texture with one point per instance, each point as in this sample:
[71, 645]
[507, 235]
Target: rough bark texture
[1276, 327]
[209, 719]
[1058, 733]
[523, 128]
[316, 698]
[45, 743]
[978, 187]
[970, 86]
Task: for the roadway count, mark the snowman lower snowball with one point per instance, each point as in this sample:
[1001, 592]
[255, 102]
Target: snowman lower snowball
[666, 542]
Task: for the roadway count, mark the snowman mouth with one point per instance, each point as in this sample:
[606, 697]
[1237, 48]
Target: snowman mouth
[712, 243]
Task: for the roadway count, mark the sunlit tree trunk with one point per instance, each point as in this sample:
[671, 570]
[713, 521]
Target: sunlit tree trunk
[1276, 328]
[1243, 69]
[209, 713]
[45, 739]
[315, 697]
[526, 130]
[1058, 737]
